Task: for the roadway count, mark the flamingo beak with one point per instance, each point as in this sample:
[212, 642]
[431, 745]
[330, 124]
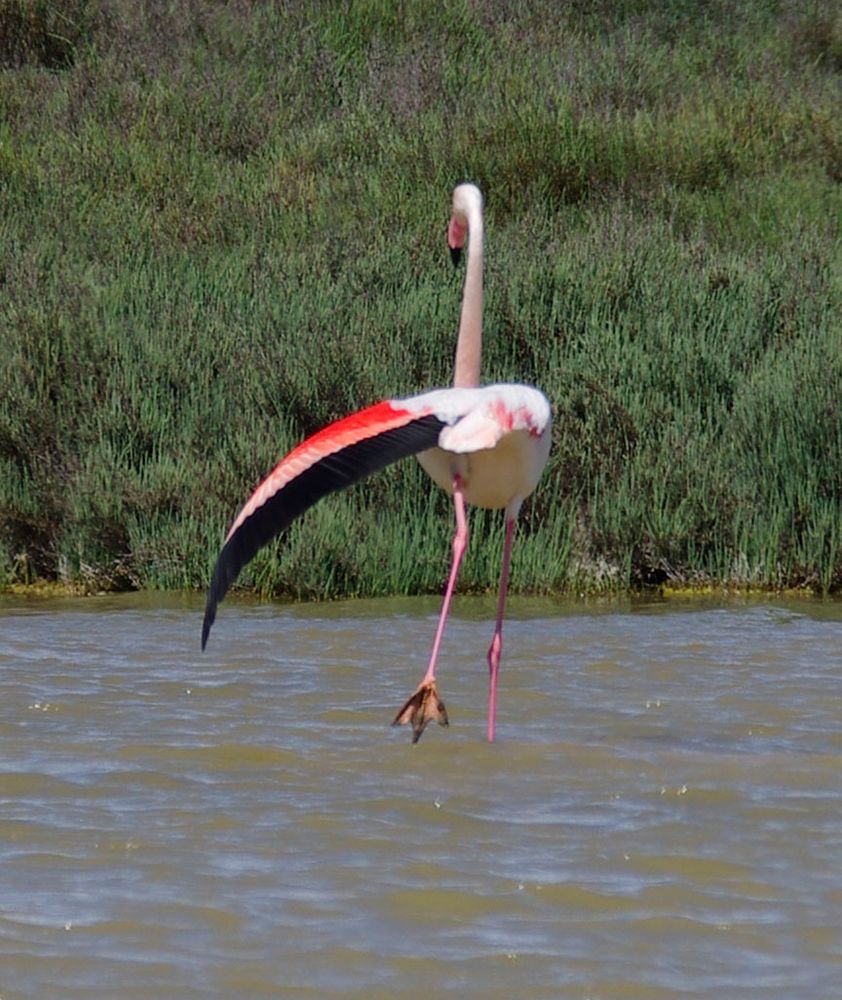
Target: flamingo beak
[457, 232]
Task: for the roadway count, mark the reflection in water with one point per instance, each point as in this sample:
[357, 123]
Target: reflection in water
[660, 817]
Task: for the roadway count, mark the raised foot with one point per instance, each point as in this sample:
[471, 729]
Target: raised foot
[423, 706]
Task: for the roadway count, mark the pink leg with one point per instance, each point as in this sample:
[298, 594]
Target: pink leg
[424, 704]
[496, 647]
[460, 543]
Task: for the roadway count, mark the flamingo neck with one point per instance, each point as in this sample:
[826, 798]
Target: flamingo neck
[469, 343]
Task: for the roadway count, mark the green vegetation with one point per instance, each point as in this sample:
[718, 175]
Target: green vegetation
[222, 225]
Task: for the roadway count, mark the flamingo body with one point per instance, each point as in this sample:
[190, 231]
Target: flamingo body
[495, 439]
[486, 446]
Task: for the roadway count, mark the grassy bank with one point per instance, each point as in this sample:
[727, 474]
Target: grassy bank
[221, 226]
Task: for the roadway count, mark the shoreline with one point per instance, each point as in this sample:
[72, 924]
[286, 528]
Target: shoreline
[56, 589]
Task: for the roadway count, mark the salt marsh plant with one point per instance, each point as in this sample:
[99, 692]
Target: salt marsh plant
[221, 225]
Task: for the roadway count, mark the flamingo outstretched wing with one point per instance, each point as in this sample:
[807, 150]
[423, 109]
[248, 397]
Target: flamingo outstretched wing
[341, 454]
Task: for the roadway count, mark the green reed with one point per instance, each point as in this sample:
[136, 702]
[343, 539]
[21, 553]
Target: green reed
[225, 229]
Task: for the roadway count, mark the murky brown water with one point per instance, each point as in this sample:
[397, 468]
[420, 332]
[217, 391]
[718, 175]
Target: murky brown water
[661, 817]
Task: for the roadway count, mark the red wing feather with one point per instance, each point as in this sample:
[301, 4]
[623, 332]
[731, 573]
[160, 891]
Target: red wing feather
[341, 454]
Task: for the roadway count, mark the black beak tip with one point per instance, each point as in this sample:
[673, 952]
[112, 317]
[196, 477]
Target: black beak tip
[456, 255]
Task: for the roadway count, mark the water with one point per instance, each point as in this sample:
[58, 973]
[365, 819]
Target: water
[661, 816]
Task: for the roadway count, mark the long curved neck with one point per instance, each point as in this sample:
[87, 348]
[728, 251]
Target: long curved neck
[469, 343]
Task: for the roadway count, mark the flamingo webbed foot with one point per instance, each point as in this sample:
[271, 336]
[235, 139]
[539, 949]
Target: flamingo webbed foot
[423, 705]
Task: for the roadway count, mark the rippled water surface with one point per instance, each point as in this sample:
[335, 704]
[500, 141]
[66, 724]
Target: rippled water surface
[661, 816]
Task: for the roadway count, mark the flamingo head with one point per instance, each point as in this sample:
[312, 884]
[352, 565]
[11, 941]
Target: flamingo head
[465, 214]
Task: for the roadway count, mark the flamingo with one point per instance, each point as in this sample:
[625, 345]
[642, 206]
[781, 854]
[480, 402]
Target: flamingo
[485, 446]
